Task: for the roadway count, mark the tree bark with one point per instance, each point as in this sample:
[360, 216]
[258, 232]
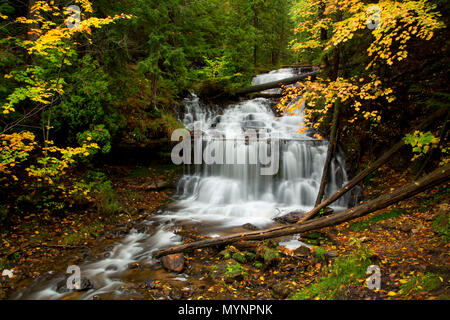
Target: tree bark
[330, 153]
[435, 178]
[371, 168]
[274, 84]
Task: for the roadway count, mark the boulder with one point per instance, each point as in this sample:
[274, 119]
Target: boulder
[280, 291]
[331, 254]
[405, 227]
[291, 217]
[302, 251]
[249, 226]
[173, 262]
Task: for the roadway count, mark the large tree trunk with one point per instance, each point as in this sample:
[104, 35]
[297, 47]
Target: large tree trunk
[371, 168]
[274, 84]
[435, 178]
[330, 153]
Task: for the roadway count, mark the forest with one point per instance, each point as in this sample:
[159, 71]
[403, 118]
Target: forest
[349, 97]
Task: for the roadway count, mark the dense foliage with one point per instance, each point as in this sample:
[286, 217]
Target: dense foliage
[382, 64]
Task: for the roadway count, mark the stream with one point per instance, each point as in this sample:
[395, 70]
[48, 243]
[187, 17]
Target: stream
[218, 199]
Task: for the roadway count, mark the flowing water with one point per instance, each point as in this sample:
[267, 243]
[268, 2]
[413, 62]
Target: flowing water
[220, 198]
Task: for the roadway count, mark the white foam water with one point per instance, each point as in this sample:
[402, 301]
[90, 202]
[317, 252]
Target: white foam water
[274, 75]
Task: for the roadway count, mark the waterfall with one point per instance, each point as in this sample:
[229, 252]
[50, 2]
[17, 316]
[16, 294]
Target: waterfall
[233, 194]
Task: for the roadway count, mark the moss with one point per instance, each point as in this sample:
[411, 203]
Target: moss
[427, 282]
[316, 238]
[235, 270]
[319, 254]
[269, 255]
[239, 257]
[225, 254]
[213, 271]
[344, 271]
[362, 225]
[250, 255]
[441, 225]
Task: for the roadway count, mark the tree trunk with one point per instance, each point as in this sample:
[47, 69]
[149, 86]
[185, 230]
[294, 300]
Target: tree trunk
[274, 84]
[371, 168]
[435, 178]
[30, 34]
[330, 153]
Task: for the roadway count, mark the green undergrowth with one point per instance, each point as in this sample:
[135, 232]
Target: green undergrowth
[344, 271]
[363, 225]
[428, 282]
[441, 225]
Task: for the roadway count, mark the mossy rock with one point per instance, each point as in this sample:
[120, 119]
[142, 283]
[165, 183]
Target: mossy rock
[225, 254]
[269, 255]
[228, 271]
[239, 257]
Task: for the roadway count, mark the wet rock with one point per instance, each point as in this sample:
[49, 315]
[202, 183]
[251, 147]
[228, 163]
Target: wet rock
[375, 227]
[302, 251]
[141, 228]
[134, 266]
[280, 291]
[291, 217]
[86, 284]
[268, 253]
[176, 294]
[173, 262]
[111, 268]
[121, 231]
[150, 284]
[406, 227]
[331, 254]
[389, 226]
[228, 271]
[249, 226]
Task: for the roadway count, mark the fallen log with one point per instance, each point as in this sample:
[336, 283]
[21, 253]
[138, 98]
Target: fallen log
[371, 168]
[274, 84]
[330, 152]
[435, 178]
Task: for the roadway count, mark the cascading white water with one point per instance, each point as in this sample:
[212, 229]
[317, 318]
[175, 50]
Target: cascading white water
[221, 196]
[274, 75]
[237, 194]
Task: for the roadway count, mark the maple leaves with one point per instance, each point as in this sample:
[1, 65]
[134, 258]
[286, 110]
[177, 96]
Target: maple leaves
[52, 45]
[399, 22]
[342, 21]
[317, 98]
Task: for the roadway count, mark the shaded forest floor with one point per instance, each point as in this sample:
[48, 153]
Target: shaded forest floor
[409, 242]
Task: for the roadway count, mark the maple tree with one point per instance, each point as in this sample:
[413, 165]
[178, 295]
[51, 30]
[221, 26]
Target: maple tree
[51, 45]
[395, 26]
